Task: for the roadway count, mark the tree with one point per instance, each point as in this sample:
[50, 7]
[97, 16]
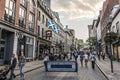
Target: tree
[92, 41]
[110, 37]
[79, 46]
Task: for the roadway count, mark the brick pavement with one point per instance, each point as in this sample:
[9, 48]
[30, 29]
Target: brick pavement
[105, 66]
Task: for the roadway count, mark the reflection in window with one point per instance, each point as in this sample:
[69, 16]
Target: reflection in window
[2, 49]
[32, 6]
[10, 10]
[23, 2]
[22, 16]
[43, 19]
[31, 22]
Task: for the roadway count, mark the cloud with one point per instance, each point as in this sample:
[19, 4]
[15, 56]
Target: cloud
[77, 8]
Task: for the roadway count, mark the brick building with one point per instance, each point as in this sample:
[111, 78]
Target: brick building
[104, 17]
[17, 28]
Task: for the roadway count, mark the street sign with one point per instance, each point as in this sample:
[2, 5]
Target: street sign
[61, 66]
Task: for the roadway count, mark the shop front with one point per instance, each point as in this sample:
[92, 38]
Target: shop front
[25, 46]
[6, 45]
[44, 48]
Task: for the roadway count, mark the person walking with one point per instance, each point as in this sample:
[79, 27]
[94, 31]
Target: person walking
[76, 56]
[13, 63]
[103, 55]
[86, 59]
[22, 62]
[93, 59]
[81, 58]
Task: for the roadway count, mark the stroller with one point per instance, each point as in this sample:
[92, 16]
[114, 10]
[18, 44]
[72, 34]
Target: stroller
[3, 74]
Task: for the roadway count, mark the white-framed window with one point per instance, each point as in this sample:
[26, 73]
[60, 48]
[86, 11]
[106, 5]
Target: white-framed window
[22, 16]
[23, 2]
[31, 22]
[10, 9]
[32, 6]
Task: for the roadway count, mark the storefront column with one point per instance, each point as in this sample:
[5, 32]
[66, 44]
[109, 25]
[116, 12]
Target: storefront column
[34, 48]
[15, 43]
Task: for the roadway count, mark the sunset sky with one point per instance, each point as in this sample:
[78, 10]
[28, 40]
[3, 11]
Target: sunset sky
[77, 14]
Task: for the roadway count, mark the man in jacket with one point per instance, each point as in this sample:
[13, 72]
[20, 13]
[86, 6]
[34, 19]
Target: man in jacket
[13, 63]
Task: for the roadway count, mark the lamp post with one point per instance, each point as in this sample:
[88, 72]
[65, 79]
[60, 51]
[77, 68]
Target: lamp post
[99, 48]
[111, 56]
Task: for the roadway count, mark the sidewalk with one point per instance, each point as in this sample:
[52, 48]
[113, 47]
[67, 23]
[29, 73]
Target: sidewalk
[105, 67]
[29, 66]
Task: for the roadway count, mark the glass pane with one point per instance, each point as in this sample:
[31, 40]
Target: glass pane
[10, 13]
[20, 11]
[2, 49]
[3, 34]
[7, 3]
[11, 5]
[6, 10]
[22, 2]
[2, 52]
[2, 42]
[23, 12]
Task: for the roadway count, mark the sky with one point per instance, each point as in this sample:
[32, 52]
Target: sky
[77, 14]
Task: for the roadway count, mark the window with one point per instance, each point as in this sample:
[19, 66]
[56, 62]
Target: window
[2, 50]
[118, 27]
[43, 19]
[42, 32]
[38, 30]
[22, 16]
[46, 22]
[31, 22]
[31, 16]
[23, 2]
[32, 6]
[39, 15]
[29, 47]
[9, 10]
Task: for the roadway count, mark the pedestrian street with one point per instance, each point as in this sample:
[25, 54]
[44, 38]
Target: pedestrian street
[83, 74]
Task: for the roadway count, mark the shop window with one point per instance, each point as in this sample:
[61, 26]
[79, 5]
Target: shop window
[29, 47]
[2, 49]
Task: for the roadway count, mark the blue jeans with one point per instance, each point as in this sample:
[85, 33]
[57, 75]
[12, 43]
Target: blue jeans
[21, 71]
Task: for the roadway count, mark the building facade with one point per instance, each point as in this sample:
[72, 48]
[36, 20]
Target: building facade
[17, 28]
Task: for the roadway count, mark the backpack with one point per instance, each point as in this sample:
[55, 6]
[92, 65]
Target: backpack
[81, 56]
[93, 58]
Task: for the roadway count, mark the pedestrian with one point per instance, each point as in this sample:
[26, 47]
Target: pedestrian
[76, 56]
[68, 56]
[86, 59]
[93, 59]
[46, 59]
[81, 58]
[22, 62]
[103, 55]
[13, 63]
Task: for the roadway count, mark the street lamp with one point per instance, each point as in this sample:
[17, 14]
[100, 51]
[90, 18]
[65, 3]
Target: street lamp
[111, 56]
